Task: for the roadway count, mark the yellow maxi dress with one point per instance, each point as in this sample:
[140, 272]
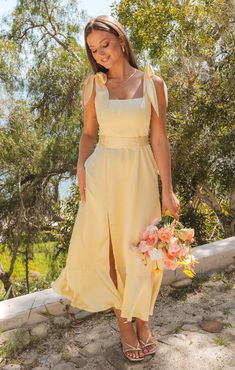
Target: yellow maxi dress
[122, 197]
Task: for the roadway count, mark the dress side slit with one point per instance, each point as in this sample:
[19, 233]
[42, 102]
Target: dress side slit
[113, 273]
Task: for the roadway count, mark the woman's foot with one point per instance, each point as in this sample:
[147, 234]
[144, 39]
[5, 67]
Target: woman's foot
[128, 335]
[144, 335]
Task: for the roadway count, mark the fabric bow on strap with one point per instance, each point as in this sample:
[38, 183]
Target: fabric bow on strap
[101, 79]
[150, 88]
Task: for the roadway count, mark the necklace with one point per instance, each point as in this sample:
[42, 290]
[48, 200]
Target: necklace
[124, 80]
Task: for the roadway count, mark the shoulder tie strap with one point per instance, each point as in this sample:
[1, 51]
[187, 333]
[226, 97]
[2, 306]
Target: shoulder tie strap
[150, 87]
[100, 79]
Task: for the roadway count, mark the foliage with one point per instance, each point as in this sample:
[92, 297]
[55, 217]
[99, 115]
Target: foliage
[192, 43]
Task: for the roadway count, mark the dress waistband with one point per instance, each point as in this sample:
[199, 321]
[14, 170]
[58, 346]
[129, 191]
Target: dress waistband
[123, 142]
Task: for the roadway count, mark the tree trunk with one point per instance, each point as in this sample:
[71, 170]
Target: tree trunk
[5, 278]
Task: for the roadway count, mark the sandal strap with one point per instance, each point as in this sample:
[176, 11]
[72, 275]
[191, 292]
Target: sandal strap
[147, 343]
[137, 348]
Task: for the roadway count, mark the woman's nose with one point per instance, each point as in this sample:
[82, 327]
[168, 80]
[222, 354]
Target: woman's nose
[101, 52]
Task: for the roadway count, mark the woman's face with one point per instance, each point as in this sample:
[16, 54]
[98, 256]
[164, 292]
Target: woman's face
[105, 47]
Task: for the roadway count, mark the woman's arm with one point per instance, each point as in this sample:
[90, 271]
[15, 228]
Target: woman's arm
[87, 140]
[161, 149]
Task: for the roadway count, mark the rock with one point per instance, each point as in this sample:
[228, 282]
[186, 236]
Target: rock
[105, 335]
[167, 329]
[2, 360]
[194, 320]
[182, 283]
[92, 349]
[83, 315]
[212, 326]
[12, 367]
[79, 361]
[15, 335]
[65, 366]
[30, 359]
[110, 342]
[180, 336]
[230, 331]
[51, 360]
[7, 336]
[117, 360]
[40, 368]
[232, 311]
[61, 321]
[216, 315]
[93, 336]
[230, 268]
[39, 330]
[190, 327]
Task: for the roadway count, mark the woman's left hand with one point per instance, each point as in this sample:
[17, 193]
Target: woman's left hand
[170, 202]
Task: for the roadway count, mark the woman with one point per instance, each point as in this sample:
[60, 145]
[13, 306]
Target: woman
[118, 183]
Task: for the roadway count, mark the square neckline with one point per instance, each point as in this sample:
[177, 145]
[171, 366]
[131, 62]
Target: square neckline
[122, 100]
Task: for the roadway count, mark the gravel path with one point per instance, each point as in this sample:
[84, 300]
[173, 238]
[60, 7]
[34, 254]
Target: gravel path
[193, 324]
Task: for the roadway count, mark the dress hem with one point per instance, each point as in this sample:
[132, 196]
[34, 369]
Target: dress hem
[85, 308]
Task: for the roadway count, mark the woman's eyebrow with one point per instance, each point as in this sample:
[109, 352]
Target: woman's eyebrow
[100, 41]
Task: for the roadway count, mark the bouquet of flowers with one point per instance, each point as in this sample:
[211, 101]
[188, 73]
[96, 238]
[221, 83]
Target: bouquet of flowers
[167, 242]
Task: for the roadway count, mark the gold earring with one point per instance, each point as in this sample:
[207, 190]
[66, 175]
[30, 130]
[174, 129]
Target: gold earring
[123, 49]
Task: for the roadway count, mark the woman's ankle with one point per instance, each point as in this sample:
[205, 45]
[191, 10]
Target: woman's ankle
[141, 323]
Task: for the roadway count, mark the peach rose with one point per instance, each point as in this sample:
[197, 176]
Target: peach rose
[171, 265]
[164, 234]
[186, 234]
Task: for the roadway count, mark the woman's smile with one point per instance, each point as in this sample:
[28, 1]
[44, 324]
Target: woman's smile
[104, 60]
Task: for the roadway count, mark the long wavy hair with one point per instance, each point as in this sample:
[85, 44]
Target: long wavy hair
[109, 24]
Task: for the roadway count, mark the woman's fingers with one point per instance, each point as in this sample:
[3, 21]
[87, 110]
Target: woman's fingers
[173, 206]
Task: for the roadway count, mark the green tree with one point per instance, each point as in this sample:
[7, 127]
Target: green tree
[41, 128]
[192, 44]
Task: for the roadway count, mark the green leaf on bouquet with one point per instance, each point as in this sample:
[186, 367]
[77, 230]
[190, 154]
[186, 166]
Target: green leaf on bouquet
[167, 218]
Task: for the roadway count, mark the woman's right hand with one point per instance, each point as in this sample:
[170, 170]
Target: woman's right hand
[81, 176]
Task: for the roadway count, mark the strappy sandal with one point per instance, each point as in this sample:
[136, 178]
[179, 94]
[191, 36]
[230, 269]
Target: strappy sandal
[147, 344]
[132, 348]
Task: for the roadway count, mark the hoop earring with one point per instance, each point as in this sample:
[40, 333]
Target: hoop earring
[123, 49]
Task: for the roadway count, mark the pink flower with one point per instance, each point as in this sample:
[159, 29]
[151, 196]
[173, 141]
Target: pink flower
[174, 248]
[171, 265]
[190, 234]
[185, 251]
[151, 240]
[149, 231]
[164, 234]
[143, 246]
